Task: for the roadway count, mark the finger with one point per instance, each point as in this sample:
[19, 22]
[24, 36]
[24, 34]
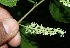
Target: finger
[4, 14]
[16, 40]
[11, 28]
[10, 25]
[4, 46]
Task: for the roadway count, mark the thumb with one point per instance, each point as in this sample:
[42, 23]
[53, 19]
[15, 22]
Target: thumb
[8, 29]
[8, 26]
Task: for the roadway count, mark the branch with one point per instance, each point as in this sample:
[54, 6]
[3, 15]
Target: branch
[30, 11]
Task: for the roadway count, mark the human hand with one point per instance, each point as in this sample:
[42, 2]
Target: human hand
[8, 30]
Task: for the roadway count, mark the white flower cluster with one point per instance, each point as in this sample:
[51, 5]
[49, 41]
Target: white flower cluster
[34, 28]
[66, 2]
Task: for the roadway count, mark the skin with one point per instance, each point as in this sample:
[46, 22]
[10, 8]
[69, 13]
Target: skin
[12, 35]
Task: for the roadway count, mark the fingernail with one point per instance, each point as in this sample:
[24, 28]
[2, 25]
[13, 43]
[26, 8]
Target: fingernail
[6, 28]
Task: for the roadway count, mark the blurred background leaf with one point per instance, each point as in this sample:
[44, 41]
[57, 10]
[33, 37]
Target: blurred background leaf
[59, 12]
[9, 3]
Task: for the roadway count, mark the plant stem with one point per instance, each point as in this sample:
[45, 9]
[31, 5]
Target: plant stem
[30, 11]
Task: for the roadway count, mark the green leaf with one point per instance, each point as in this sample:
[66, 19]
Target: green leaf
[9, 3]
[25, 42]
[57, 14]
